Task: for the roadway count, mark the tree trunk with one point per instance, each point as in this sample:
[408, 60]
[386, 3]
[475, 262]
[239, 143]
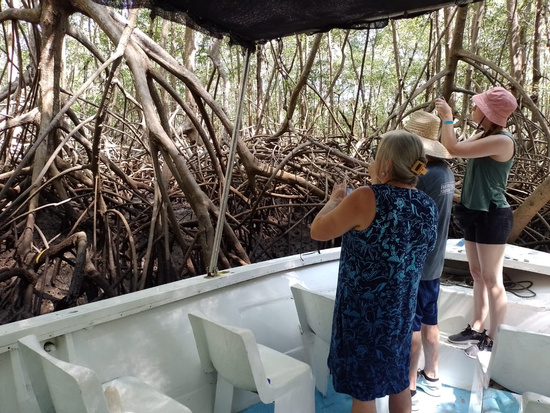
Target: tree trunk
[53, 20]
[525, 212]
[477, 18]
[517, 52]
[537, 41]
[397, 62]
[456, 44]
[190, 50]
[300, 84]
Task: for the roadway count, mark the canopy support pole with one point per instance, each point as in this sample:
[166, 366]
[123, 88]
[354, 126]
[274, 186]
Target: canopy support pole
[212, 268]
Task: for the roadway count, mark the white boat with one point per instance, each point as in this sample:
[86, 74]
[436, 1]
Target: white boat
[145, 340]
[139, 352]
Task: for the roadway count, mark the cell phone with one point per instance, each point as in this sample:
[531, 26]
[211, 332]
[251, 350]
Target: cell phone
[438, 95]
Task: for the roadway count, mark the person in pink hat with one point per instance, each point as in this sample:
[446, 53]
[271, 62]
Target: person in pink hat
[484, 214]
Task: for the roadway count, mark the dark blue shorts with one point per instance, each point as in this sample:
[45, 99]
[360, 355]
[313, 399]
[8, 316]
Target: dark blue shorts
[426, 304]
[489, 227]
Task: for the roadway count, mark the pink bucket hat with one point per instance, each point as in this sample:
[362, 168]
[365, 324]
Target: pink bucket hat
[497, 104]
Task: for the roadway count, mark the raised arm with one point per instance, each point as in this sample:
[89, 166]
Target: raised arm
[342, 213]
[499, 146]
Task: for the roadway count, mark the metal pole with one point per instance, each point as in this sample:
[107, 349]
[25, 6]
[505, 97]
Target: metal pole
[212, 268]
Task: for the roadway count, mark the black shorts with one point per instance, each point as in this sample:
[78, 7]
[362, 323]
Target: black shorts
[485, 227]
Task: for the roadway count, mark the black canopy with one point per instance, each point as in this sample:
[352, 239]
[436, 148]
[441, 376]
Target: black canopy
[248, 22]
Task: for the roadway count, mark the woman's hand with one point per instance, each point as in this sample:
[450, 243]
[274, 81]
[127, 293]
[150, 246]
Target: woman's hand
[342, 213]
[338, 192]
[444, 111]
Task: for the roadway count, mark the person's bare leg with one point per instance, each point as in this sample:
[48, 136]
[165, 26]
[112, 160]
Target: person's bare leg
[481, 305]
[416, 349]
[400, 402]
[491, 258]
[357, 406]
[430, 343]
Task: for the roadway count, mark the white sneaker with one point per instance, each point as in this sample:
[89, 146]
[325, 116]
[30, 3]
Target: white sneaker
[428, 386]
[415, 401]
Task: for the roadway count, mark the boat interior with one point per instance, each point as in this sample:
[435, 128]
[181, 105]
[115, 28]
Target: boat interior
[255, 338]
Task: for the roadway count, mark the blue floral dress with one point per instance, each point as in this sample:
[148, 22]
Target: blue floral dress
[380, 269]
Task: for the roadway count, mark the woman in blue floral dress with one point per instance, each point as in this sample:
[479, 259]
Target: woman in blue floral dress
[388, 229]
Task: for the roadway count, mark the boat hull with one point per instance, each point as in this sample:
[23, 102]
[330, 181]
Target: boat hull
[147, 334]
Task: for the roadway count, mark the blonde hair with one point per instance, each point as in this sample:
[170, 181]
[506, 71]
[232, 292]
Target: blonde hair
[403, 149]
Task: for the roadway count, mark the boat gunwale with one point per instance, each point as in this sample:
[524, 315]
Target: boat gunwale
[69, 320]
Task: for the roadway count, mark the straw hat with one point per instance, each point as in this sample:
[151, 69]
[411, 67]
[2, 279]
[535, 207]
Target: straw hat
[497, 104]
[426, 126]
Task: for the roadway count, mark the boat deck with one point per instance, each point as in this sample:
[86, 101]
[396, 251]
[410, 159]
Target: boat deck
[152, 326]
[452, 400]
[528, 294]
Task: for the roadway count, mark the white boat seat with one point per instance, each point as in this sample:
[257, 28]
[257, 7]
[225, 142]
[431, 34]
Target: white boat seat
[520, 362]
[242, 363]
[64, 387]
[535, 403]
[315, 311]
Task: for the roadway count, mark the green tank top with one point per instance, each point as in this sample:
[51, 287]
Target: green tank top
[485, 182]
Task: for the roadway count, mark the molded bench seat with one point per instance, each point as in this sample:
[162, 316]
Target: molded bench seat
[315, 311]
[64, 387]
[241, 362]
[535, 403]
[519, 362]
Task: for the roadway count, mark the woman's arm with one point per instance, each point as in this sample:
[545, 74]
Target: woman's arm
[342, 213]
[499, 147]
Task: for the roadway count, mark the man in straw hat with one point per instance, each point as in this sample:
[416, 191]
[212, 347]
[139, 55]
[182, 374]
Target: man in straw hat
[439, 184]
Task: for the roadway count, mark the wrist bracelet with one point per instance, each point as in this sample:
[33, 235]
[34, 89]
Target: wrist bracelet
[448, 121]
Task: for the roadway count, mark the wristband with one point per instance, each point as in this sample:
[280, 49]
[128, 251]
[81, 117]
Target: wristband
[448, 121]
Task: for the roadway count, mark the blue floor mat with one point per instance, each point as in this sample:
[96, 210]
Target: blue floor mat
[333, 403]
[452, 400]
[499, 401]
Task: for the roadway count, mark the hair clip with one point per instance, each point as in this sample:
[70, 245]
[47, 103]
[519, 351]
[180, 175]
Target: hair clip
[419, 168]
